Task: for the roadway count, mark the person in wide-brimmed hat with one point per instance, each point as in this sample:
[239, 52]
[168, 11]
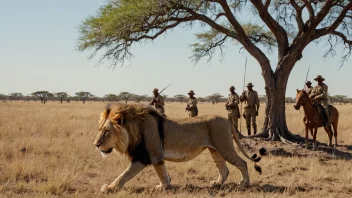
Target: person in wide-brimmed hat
[158, 102]
[192, 104]
[251, 108]
[231, 106]
[319, 94]
[309, 87]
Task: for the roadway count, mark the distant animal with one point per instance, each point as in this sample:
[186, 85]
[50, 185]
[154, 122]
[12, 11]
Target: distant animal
[148, 138]
[313, 120]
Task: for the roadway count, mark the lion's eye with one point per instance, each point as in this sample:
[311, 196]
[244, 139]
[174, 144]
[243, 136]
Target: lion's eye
[106, 133]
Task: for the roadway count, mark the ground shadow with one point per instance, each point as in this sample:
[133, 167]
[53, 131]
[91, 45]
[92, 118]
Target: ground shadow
[222, 191]
[333, 153]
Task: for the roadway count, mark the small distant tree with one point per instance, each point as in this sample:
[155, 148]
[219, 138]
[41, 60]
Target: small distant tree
[180, 97]
[215, 98]
[201, 99]
[340, 98]
[61, 95]
[139, 98]
[125, 96]
[83, 96]
[42, 95]
[15, 96]
[3, 97]
[111, 97]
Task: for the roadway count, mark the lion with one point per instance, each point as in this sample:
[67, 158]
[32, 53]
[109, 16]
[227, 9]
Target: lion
[148, 138]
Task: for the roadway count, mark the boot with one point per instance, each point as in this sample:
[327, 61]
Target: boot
[255, 130]
[249, 130]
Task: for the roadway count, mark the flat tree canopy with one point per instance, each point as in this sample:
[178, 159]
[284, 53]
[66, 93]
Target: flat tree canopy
[286, 26]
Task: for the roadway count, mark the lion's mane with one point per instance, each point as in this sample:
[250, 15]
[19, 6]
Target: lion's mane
[133, 120]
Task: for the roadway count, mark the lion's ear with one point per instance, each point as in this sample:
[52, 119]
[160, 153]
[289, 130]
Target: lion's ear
[118, 118]
[297, 91]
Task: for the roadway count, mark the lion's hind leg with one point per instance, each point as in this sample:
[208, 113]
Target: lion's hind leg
[164, 178]
[222, 168]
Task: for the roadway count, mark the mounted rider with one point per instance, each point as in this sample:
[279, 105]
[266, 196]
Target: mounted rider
[319, 95]
[309, 87]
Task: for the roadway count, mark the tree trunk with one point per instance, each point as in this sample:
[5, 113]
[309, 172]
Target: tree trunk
[275, 126]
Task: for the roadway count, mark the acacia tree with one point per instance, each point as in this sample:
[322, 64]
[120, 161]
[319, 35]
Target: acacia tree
[61, 95]
[126, 96]
[42, 95]
[340, 98]
[83, 96]
[180, 97]
[287, 26]
[139, 98]
[111, 97]
[215, 98]
[3, 97]
[15, 96]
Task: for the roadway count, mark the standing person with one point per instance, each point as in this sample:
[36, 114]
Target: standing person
[320, 95]
[158, 102]
[192, 105]
[309, 87]
[232, 108]
[252, 107]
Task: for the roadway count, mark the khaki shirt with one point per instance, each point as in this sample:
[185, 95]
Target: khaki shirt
[192, 104]
[320, 92]
[233, 101]
[252, 99]
[159, 103]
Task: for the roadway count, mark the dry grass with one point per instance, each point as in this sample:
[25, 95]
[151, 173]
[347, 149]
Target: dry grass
[47, 150]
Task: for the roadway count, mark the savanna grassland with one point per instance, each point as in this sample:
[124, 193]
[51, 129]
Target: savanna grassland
[47, 151]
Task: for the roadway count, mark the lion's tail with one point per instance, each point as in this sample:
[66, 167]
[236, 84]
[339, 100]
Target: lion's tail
[254, 158]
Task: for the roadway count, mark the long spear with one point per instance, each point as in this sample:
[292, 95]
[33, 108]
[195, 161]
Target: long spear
[304, 86]
[166, 87]
[244, 81]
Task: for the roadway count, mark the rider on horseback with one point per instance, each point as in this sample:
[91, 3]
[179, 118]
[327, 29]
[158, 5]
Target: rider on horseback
[319, 95]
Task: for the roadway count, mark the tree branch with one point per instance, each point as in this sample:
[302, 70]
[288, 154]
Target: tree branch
[310, 9]
[343, 37]
[298, 17]
[335, 24]
[278, 31]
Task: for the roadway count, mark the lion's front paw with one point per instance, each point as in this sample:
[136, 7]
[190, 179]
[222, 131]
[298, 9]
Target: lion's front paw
[162, 187]
[105, 188]
[244, 183]
[215, 184]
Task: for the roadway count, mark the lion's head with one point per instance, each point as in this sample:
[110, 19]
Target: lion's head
[119, 128]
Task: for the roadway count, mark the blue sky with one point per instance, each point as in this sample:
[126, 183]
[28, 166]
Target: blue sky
[38, 52]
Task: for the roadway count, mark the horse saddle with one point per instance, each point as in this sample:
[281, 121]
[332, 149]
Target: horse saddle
[321, 110]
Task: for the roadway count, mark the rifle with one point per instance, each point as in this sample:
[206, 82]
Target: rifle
[304, 86]
[162, 91]
[244, 82]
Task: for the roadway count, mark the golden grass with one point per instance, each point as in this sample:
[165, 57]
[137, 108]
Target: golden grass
[47, 150]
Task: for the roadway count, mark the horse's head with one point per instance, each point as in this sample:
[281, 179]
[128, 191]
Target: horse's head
[301, 99]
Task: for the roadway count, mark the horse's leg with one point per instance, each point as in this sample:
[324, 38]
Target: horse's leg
[306, 136]
[329, 132]
[334, 125]
[315, 139]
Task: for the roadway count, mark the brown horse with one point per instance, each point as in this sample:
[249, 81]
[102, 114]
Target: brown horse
[312, 119]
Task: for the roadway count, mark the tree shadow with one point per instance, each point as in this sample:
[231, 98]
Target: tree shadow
[333, 152]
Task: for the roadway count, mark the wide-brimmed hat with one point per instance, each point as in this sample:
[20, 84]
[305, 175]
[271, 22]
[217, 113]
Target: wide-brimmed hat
[191, 92]
[308, 82]
[319, 77]
[232, 87]
[155, 90]
[250, 84]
